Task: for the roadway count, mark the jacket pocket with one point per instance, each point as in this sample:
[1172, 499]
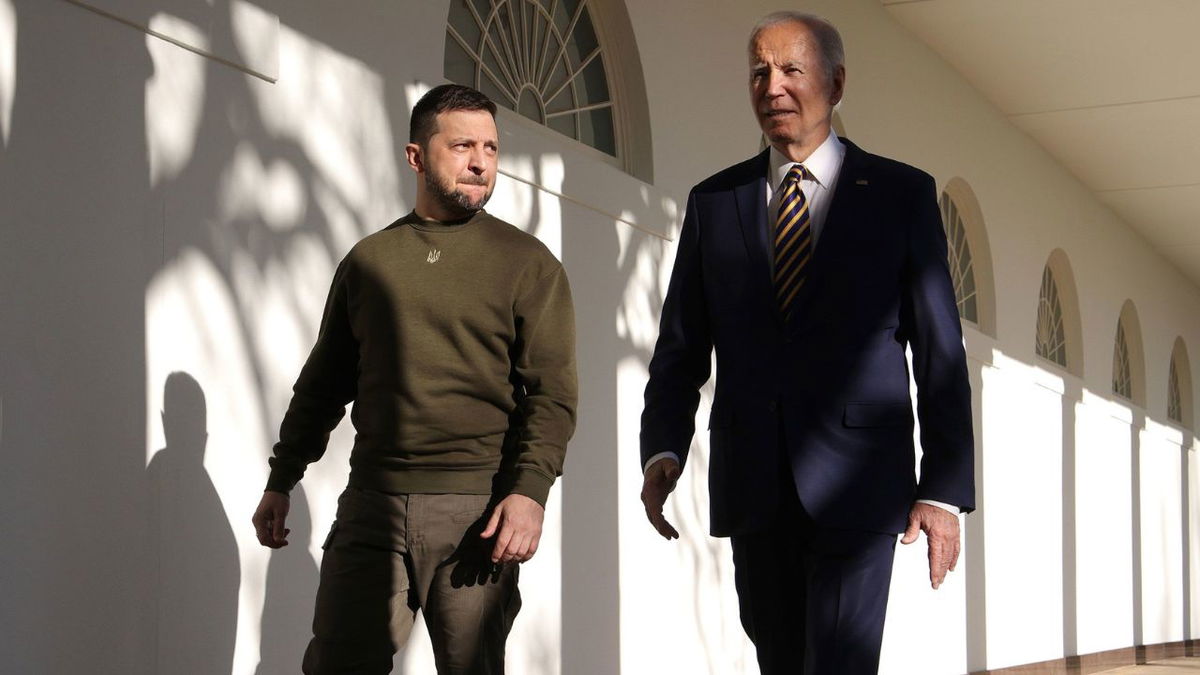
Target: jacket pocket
[877, 415]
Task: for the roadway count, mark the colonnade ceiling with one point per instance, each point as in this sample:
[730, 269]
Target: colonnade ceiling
[1110, 88]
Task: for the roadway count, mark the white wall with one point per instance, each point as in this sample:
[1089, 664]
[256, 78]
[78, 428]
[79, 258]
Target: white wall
[165, 212]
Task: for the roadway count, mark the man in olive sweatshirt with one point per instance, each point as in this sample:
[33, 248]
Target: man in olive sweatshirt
[453, 333]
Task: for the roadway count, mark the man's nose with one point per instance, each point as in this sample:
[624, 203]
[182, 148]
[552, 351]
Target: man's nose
[774, 84]
[478, 162]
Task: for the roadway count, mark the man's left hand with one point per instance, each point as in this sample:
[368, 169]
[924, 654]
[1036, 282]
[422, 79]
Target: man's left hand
[516, 523]
[941, 529]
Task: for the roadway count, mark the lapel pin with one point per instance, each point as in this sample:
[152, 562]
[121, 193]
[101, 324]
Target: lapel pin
[862, 181]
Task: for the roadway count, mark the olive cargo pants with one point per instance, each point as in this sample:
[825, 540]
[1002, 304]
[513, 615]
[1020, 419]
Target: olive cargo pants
[388, 556]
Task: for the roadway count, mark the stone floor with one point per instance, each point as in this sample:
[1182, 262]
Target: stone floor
[1187, 665]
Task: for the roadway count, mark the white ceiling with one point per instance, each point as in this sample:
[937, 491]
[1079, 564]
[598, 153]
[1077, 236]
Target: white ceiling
[1111, 88]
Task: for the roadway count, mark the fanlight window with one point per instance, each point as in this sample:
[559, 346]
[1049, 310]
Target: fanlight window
[959, 258]
[1122, 382]
[1051, 334]
[1174, 397]
[540, 58]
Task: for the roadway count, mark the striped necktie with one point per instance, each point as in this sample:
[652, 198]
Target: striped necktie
[793, 239]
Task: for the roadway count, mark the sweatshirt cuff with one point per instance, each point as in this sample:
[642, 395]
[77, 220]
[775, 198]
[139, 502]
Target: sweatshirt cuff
[532, 484]
[281, 480]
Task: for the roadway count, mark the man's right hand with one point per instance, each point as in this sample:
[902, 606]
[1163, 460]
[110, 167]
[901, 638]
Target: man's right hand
[269, 518]
[658, 482]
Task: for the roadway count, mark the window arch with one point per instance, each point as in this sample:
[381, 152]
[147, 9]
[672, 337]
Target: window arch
[1057, 336]
[1051, 331]
[570, 65]
[962, 270]
[1174, 395]
[969, 255]
[1122, 383]
[1129, 373]
[1179, 386]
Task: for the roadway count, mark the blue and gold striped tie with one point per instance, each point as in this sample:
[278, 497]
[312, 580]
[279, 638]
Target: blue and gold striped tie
[793, 239]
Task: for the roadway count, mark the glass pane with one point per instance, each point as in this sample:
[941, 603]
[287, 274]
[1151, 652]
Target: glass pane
[596, 129]
[500, 51]
[563, 11]
[537, 34]
[558, 77]
[492, 62]
[968, 285]
[484, 7]
[564, 124]
[1174, 402]
[460, 66]
[529, 106]
[970, 310]
[463, 22]
[494, 90]
[584, 41]
[594, 83]
[507, 42]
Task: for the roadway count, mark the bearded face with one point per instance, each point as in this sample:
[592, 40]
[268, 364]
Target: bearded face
[459, 193]
[457, 164]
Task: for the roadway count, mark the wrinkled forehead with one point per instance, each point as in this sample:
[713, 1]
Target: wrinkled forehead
[786, 41]
[474, 124]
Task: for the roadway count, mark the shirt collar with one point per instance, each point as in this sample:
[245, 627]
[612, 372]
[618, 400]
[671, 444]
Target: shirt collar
[823, 164]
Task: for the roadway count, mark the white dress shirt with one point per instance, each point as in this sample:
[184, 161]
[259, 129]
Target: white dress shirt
[823, 167]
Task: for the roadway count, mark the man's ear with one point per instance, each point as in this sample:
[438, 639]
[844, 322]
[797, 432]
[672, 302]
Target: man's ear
[838, 86]
[416, 160]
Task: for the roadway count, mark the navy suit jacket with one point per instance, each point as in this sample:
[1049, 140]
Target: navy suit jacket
[825, 392]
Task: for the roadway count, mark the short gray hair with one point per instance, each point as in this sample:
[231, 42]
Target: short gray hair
[833, 54]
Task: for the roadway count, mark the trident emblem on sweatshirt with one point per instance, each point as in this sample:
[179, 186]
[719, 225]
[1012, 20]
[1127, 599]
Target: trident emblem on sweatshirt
[434, 256]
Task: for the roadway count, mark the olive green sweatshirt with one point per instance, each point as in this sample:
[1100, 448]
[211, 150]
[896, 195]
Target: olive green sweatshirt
[456, 343]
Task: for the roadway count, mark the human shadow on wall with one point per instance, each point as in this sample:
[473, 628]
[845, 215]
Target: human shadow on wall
[196, 571]
[291, 587]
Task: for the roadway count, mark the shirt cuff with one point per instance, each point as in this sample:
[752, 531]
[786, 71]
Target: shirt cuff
[941, 505]
[661, 455]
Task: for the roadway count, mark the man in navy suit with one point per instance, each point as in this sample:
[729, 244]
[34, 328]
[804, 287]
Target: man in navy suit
[809, 269]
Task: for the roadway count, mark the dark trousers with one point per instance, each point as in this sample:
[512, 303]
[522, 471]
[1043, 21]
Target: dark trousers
[812, 599]
[389, 555]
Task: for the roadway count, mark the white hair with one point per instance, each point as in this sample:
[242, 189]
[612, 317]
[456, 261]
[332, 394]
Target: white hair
[833, 55]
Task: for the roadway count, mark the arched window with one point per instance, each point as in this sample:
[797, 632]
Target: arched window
[1174, 395]
[1122, 382]
[1051, 331]
[548, 60]
[1129, 364]
[1059, 333]
[969, 256]
[1179, 386]
[962, 270]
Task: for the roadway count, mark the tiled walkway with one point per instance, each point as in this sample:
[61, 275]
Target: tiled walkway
[1187, 665]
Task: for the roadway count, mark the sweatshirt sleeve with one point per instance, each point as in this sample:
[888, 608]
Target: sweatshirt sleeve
[544, 366]
[326, 384]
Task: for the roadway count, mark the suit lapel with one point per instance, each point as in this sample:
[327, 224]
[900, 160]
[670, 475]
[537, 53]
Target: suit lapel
[751, 197]
[848, 197]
